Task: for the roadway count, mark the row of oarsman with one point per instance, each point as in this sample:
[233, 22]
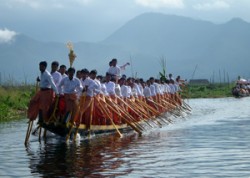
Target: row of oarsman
[92, 85]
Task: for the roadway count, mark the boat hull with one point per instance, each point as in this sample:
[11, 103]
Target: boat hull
[64, 130]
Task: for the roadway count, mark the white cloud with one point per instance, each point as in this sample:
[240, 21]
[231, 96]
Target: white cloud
[161, 3]
[6, 35]
[212, 6]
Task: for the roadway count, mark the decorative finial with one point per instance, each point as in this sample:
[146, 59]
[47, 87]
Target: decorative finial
[71, 54]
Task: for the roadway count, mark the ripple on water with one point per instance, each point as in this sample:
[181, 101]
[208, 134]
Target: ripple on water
[212, 142]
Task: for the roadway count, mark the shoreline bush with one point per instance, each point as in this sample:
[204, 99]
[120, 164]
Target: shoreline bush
[14, 101]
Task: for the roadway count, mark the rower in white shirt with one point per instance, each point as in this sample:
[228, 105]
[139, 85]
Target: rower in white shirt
[71, 86]
[85, 78]
[124, 88]
[139, 89]
[146, 90]
[153, 90]
[110, 85]
[70, 83]
[62, 70]
[103, 86]
[57, 77]
[94, 87]
[43, 99]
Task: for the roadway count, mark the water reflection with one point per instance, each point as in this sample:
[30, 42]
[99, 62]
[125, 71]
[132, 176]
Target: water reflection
[95, 157]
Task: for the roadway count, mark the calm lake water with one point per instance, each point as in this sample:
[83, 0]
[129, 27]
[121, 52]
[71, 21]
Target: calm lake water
[214, 141]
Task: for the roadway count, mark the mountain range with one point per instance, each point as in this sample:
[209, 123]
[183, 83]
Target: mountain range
[192, 48]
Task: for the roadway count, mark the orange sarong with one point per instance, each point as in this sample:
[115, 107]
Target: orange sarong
[42, 101]
[71, 104]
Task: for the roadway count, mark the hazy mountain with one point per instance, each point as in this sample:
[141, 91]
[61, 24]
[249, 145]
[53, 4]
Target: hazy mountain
[20, 58]
[186, 42]
[144, 40]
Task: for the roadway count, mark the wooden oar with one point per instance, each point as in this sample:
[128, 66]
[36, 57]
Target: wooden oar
[30, 123]
[28, 132]
[132, 125]
[81, 110]
[136, 112]
[81, 104]
[151, 109]
[187, 105]
[106, 112]
[157, 113]
[163, 118]
[91, 117]
[142, 112]
[53, 116]
[119, 111]
[71, 127]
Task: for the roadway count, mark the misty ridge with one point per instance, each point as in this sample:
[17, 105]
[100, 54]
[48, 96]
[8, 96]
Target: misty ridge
[192, 48]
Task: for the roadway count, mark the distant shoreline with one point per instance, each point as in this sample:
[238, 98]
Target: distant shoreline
[14, 99]
[208, 91]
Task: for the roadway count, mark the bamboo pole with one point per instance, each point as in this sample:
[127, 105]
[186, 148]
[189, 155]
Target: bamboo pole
[132, 125]
[105, 111]
[30, 123]
[28, 132]
[81, 104]
[91, 116]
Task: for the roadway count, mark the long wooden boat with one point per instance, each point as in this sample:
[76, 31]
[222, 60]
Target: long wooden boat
[106, 116]
[102, 114]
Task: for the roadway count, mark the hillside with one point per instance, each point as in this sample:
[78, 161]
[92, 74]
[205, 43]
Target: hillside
[186, 42]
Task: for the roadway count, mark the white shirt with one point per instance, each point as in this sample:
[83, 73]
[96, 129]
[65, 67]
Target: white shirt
[166, 88]
[64, 75]
[70, 86]
[146, 91]
[57, 77]
[124, 91]
[129, 92]
[118, 90]
[152, 89]
[139, 92]
[104, 89]
[47, 81]
[134, 92]
[140, 88]
[98, 89]
[86, 82]
[157, 88]
[172, 88]
[94, 87]
[110, 87]
[115, 71]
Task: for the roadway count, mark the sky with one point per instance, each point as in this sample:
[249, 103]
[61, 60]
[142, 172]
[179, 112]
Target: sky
[95, 20]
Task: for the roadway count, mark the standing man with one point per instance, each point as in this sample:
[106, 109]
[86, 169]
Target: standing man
[115, 70]
[44, 98]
